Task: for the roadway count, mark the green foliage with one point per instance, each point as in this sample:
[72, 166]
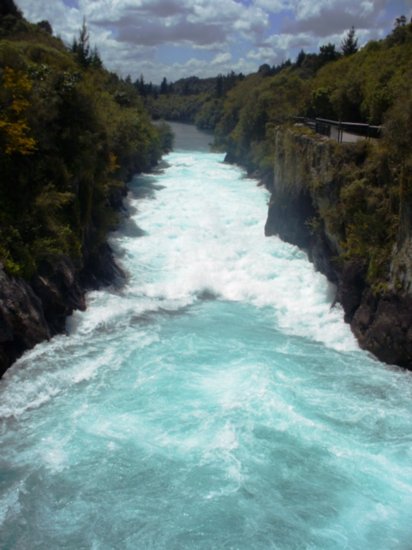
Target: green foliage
[363, 86]
[179, 108]
[209, 114]
[328, 53]
[253, 108]
[191, 100]
[166, 136]
[14, 128]
[321, 104]
[70, 133]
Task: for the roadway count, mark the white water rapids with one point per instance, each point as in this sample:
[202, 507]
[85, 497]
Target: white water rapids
[216, 401]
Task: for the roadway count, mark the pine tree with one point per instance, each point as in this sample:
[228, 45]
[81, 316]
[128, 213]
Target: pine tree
[81, 47]
[95, 59]
[300, 58]
[164, 88]
[349, 44]
[219, 86]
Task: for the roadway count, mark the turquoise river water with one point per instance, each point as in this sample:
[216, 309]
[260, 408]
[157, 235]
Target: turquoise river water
[216, 401]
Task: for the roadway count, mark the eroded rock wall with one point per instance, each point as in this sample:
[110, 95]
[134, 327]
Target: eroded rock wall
[35, 310]
[309, 175]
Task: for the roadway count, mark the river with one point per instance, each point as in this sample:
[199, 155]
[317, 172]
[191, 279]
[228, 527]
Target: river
[216, 401]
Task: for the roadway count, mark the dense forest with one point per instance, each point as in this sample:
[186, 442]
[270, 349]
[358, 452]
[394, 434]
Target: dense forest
[71, 133]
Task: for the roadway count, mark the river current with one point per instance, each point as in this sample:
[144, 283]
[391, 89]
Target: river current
[215, 401]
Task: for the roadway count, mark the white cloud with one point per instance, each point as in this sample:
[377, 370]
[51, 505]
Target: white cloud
[133, 35]
[65, 20]
[273, 6]
[221, 58]
[325, 17]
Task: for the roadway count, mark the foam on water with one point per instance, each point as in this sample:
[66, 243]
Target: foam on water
[216, 401]
[206, 227]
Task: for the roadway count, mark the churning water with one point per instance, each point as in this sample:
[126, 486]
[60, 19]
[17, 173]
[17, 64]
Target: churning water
[216, 401]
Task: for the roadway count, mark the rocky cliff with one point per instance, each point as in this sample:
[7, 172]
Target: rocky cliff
[35, 310]
[344, 204]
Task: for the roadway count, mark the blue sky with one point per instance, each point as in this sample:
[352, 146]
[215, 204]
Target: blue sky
[179, 38]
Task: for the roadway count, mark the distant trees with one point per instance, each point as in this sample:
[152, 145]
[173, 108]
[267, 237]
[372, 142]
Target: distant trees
[267, 70]
[143, 88]
[219, 86]
[164, 88]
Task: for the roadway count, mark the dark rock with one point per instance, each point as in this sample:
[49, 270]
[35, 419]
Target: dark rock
[383, 325]
[288, 217]
[31, 312]
[323, 256]
[351, 287]
[303, 187]
[101, 269]
[22, 320]
[60, 292]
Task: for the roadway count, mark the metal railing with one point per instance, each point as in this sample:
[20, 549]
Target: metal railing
[342, 132]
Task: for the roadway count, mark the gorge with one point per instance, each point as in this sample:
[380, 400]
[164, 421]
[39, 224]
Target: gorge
[325, 200]
[215, 400]
[172, 378]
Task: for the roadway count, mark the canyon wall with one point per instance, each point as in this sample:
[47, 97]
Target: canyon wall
[35, 310]
[342, 204]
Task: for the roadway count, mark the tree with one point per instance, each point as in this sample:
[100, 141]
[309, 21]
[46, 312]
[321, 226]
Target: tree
[163, 86]
[264, 70]
[95, 59]
[300, 58]
[328, 53]
[81, 47]
[8, 7]
[15, 132]
[321, 105]
[141, 86]
[349, 44]
[219, 86]
[45, 26]
[400, 21]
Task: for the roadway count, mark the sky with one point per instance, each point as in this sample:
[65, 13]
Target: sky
[181, 38]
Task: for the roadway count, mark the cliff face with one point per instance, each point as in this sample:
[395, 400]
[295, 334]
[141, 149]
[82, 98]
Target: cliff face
[35, 310]
[334, 201]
